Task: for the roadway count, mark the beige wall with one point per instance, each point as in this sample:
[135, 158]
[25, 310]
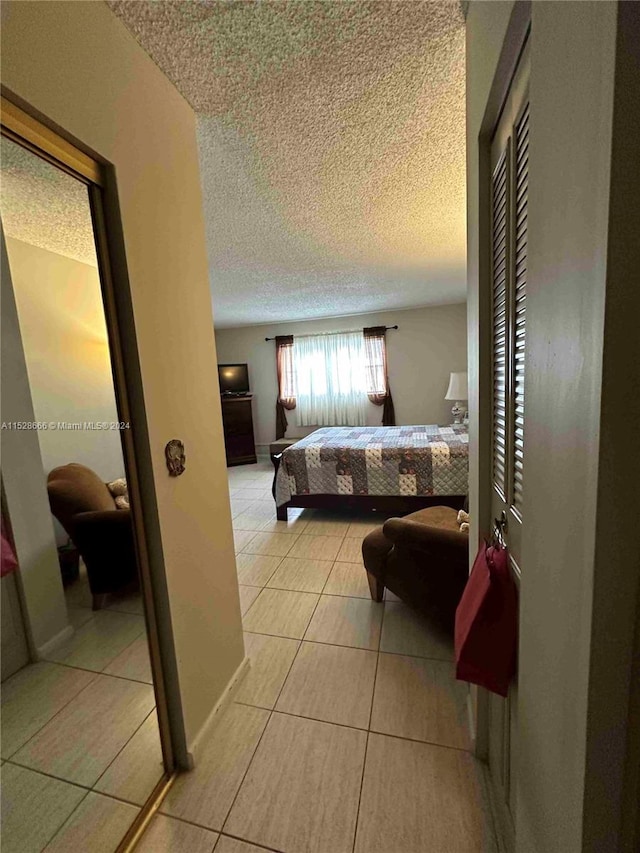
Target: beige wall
[575, 646]
[430, 344]
[39, 580]
[65, 342]
[76, 64]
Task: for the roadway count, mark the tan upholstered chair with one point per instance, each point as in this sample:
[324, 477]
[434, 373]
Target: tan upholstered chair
[423, 558]
[102, 533]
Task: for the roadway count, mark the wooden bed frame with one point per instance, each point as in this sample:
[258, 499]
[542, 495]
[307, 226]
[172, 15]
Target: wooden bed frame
[386, 504]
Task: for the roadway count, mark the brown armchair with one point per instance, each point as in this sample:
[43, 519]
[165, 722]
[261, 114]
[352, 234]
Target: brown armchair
[101, 532]
[423, 558]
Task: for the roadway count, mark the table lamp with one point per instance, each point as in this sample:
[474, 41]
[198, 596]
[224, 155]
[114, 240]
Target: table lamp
[457, 391]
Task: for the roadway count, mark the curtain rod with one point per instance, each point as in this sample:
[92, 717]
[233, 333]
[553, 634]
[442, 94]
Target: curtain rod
[341, 332]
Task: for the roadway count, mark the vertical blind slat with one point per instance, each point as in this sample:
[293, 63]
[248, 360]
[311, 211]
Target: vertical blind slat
[521, 230]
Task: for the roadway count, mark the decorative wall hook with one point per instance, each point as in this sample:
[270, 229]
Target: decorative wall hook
[175, 456]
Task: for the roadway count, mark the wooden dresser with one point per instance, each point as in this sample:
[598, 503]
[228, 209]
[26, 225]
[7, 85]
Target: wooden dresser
[237, 420]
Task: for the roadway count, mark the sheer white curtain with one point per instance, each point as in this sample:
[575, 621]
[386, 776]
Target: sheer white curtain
[331, 380]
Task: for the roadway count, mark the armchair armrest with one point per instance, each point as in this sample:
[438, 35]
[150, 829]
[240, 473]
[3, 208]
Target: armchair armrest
[102, 523]
[109, 516]
[416, 536]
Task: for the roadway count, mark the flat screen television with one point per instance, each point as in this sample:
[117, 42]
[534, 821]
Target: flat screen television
[233, 378]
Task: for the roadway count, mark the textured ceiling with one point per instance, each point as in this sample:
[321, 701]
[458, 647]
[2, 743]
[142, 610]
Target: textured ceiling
[44, 206]
[331, 141]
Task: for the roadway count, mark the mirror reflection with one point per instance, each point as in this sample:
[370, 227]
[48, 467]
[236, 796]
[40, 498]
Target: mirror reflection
[79, 726]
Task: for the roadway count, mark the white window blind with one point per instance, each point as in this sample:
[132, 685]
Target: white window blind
[510, 186]
[499, 240]
[520, 299]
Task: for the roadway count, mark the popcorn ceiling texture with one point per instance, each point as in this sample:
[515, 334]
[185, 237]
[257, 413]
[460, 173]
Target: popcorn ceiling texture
[332, 152]
[43, 206]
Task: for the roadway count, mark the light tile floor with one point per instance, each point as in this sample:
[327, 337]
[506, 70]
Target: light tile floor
[349, 732]
[79, 739]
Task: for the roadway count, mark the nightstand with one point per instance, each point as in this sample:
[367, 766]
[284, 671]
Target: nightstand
[276, 449]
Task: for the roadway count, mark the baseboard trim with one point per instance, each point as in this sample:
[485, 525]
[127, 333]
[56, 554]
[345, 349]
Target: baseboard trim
[54, 642]
[214, 716]
[471, 716]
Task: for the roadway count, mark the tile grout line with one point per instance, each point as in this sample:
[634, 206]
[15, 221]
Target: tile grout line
[84, 788]
[76, 785]
[324, 585]
[13, 760]
[219, 832]
[366, 748]
[126, 648]
[301, 639]
[306, 630]
[275, 556]
[358, 729]
[101, 671]
[106, 796]
[59, 711]
[66, 820]
[378, 653]
[340, 645]
[244, 841]
[364, 766]
[272, 710]
[123, 747]
[253, 754]
[15, 763]
[375, 678]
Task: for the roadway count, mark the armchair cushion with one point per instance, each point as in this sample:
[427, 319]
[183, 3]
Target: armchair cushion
[429, 530]
[442, 517]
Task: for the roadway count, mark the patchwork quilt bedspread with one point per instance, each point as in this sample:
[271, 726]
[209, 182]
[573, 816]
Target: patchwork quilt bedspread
[405, 460]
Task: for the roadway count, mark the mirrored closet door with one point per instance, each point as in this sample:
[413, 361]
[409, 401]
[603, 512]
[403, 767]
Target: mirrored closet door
[84, 727]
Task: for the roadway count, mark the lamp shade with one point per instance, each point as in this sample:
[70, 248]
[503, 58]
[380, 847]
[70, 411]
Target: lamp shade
[457, 389]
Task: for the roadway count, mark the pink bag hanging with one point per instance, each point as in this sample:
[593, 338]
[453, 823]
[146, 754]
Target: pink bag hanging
[486, 632]
[8, 562]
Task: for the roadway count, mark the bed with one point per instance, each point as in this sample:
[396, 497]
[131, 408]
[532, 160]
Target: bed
[391, 469]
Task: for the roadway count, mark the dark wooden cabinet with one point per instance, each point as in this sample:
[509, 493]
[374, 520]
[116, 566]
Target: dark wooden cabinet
[237, 420]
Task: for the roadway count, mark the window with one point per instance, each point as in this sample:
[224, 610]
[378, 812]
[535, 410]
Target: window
[330, 379]
[376, 365]
[287, 373]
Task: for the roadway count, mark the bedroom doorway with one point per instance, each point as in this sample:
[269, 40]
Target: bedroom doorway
[86, 731]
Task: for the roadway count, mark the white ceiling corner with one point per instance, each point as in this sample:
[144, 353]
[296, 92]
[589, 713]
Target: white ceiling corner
[331, 138]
